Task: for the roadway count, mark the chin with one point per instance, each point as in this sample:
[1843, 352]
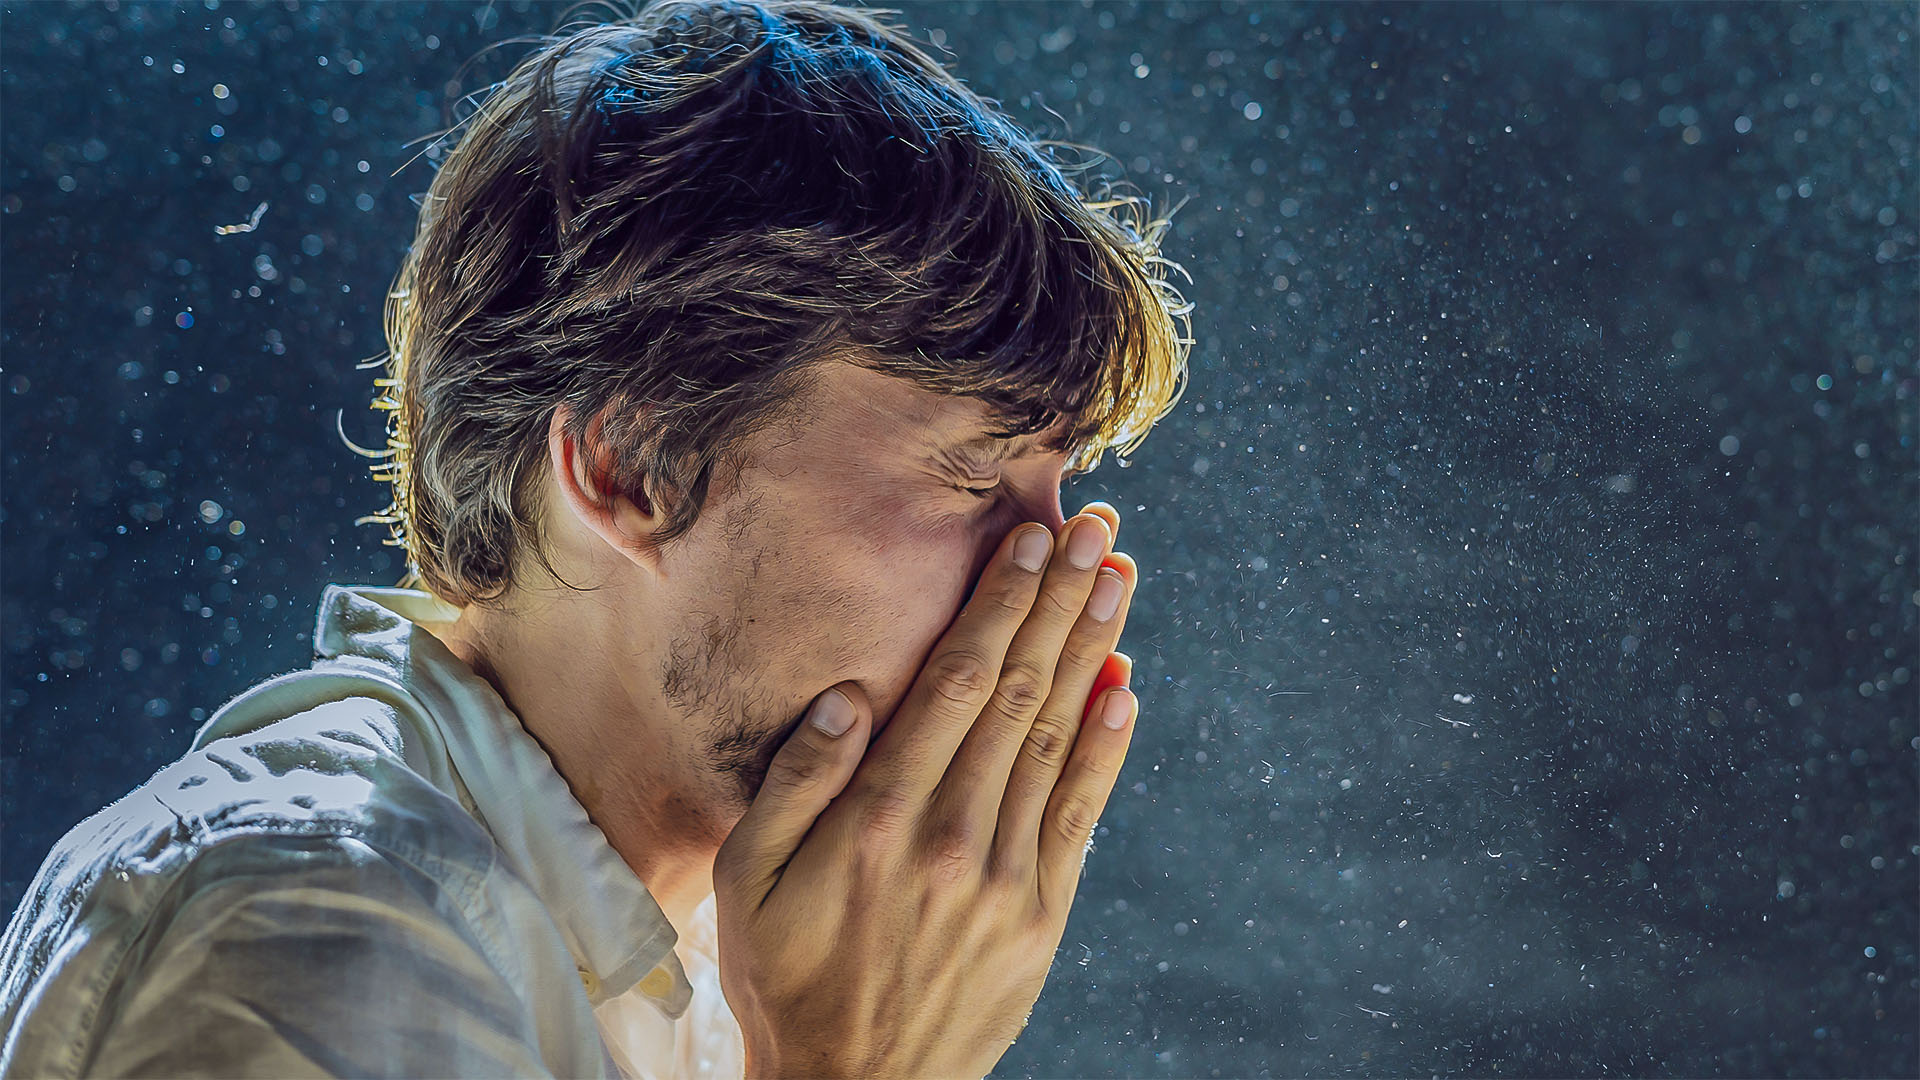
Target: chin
[741, 760]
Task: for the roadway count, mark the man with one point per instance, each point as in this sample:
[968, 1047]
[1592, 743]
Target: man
[739, 349]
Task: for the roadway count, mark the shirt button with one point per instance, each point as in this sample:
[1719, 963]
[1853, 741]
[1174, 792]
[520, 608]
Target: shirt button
[590, 982]
[657, 983]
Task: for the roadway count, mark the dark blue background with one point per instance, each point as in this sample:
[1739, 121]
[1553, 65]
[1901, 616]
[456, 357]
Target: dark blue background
[1528, 621]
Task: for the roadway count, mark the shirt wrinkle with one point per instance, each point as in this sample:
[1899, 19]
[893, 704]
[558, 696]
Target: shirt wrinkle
[386, 802]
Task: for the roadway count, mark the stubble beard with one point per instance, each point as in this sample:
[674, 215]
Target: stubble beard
[704, 682]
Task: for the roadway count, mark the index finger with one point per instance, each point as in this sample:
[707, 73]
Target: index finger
[910, 756]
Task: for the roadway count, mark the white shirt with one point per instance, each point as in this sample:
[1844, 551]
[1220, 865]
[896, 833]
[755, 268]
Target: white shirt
[366, 868]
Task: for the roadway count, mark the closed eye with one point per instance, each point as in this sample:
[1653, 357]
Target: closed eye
[979, 492]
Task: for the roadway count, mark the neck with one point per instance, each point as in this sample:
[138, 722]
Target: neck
[580, 701]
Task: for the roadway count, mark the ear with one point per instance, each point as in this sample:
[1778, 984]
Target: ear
[580, 471]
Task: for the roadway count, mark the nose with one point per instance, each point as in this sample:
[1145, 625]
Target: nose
[1043, 507]
[1046, 510]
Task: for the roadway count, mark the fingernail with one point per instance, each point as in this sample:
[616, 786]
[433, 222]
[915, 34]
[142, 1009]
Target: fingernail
[1118, 710]
[833, 713]
[1106, 597]
[1087, 544]
[1030, 548]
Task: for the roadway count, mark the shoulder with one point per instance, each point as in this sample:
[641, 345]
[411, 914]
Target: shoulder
[352, 766]
[257, 952]
[322, 798]
[314, 866]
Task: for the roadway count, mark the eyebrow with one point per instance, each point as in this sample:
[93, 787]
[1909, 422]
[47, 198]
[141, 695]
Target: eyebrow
[988, 449]
[994, 448]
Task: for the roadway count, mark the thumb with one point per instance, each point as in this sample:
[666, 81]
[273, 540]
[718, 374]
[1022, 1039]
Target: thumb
[806, 774]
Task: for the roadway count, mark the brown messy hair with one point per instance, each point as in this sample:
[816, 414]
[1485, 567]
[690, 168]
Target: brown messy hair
[667, 221]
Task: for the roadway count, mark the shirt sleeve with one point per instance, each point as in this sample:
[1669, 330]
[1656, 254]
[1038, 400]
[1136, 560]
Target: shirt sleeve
[296, 956]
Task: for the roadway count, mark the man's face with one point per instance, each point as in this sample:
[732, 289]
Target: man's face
[845, 550]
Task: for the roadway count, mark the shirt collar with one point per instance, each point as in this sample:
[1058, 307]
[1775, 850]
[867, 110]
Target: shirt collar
[617, 932]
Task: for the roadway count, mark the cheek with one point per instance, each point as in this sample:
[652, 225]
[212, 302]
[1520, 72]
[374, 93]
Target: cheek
[917, 540]
[897, 582]
[936, 554]
[879, 565]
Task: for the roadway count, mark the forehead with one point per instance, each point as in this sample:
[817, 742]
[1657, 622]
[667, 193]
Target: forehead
[884, 411]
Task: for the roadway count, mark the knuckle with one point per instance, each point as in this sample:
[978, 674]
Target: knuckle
[949, 851]
[1075, 819]
[887, 817]
[1060, 603]
[1020, 690]
[1089, 647]
[961, 677]
[1012, 599]
[798, 770]
[1048, 743]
